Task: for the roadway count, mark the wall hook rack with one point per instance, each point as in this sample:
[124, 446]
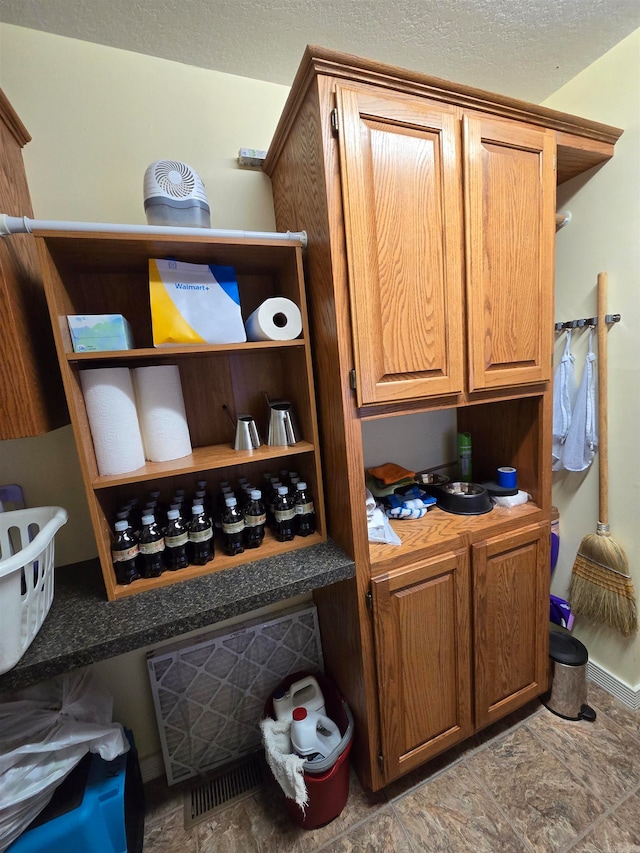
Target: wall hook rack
[586, 321]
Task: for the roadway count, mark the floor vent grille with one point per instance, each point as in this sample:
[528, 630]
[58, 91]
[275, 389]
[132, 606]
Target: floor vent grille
[228, 785]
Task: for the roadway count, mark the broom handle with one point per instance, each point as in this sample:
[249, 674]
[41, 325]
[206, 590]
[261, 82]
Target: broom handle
[603, 474]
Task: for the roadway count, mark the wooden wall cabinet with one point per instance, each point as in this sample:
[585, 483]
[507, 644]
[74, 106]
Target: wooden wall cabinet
[429, 209]
[103, 273]
[429, 193]
[510, 200]
[400, 168]
[31, 395]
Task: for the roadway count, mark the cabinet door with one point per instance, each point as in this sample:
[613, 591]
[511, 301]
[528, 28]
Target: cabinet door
[422, 635]
[510, 232]
[402, 205]
[511, 620]
[31, 394]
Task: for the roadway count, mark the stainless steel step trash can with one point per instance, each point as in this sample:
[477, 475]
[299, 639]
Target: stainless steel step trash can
[568, 694]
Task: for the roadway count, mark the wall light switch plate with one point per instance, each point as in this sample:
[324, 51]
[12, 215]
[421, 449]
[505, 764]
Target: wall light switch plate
[251, 158]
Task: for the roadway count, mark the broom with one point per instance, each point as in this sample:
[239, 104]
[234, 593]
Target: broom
[601, 588]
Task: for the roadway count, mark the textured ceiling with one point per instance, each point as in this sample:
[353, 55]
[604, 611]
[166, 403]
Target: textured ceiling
[524, 49]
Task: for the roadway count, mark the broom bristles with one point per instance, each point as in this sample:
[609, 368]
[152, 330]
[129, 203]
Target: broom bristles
[601, 590]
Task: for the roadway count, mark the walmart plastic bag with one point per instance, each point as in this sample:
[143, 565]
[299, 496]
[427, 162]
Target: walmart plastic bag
[44, 732]
[194, 304]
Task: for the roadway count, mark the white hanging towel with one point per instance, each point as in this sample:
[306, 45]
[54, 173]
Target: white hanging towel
[286, 766]
[564, 395]
[582, 438]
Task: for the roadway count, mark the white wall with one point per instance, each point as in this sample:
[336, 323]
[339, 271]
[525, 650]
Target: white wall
[98, 116]
[604, 235]
[419, 441]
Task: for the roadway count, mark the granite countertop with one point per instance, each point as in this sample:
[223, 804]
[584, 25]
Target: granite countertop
[82, 627]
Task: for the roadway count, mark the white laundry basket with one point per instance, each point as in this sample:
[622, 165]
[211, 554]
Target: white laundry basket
[26, 576]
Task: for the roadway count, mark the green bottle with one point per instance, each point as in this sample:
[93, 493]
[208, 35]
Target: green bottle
[464, 456]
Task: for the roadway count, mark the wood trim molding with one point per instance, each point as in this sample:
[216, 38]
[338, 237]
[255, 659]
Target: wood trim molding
[325, 61]
[10, 119]
[578, 133]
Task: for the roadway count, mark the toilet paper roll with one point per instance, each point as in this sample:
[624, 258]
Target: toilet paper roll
[163, 419]
[111, 409]
[277, 319]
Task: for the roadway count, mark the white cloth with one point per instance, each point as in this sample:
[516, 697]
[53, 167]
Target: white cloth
[379, 529]
[286, 766]
[370, 504]
[375, 525]
[511, 500]
[564, 395]
[582, 437]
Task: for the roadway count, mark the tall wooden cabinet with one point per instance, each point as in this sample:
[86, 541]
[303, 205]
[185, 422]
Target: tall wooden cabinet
[430, 213]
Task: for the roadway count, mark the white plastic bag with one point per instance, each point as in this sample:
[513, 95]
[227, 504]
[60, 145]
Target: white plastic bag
[44, 732]
[380, 530]
[194, 304]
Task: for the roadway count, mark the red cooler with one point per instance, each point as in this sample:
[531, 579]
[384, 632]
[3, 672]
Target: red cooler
[327, 781]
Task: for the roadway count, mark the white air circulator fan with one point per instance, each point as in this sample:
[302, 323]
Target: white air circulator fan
[174, 195]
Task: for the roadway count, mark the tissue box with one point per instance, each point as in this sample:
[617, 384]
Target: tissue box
[99, 332]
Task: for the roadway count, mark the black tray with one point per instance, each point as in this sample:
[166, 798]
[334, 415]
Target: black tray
[499, 491]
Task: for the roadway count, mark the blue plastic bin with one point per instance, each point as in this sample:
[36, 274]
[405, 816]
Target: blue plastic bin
[99, 808]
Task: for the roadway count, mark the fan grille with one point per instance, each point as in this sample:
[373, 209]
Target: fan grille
[174, 178]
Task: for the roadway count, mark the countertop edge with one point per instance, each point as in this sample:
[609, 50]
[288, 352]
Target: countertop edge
[64, 642]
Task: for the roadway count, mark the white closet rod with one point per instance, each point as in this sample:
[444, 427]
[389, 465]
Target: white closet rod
[24, 225]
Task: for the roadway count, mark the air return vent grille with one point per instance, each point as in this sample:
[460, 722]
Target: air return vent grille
[231, 784]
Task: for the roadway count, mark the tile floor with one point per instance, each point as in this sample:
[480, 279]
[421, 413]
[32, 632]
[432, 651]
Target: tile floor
[532, 782]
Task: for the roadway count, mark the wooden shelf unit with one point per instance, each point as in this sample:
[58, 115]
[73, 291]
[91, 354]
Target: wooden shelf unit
[105, 273]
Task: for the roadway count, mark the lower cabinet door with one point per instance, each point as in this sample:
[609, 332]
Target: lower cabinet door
[422, 635]
[511, 621]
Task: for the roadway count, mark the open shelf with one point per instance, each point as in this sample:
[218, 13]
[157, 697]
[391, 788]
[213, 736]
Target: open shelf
[221, 562]
[169, 352]
[202, 459]
[105, 273]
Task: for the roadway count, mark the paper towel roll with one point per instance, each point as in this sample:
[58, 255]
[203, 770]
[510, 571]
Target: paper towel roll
[277, 319]
[111, 409]
[163, 420]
